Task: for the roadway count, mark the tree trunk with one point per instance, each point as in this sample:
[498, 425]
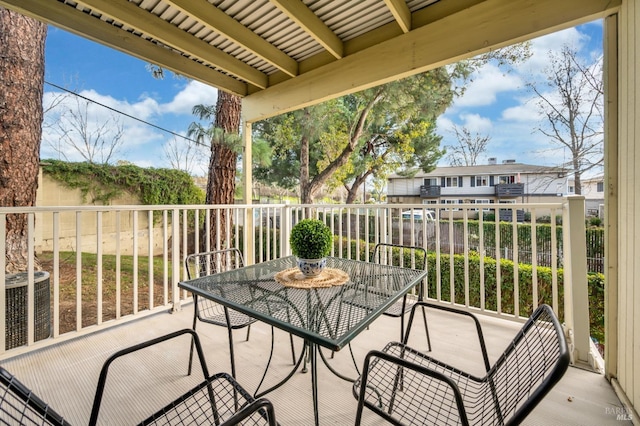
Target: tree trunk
[306, 197]
[314, 185]
[222, 166]
[352, 191]
[21, 85]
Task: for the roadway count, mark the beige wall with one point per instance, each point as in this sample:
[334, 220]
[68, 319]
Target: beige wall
[623, 192]
[52, 193]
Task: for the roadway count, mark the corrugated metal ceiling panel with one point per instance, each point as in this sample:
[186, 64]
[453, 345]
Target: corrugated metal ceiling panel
[346, 18]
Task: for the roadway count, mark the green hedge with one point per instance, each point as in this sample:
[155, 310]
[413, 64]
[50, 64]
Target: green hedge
[595, 282]
[525, 275]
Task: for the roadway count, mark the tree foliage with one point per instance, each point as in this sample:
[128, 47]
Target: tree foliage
[344, 141]
[468, 148]
[74, 127]
[571, 102]
[100, 183]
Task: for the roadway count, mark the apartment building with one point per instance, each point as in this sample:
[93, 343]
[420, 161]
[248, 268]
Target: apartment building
[593, 191]
[505, 182]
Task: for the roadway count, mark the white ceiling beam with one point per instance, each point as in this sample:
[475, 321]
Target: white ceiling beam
[75, 21]
[299, 13]
[147, 23]
[488, 25]
[218, 21]
[401, 13]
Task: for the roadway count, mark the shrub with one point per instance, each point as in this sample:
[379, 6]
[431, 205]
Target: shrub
[311, 239]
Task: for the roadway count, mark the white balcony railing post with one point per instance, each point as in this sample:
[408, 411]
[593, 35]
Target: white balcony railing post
[249, 237]
[576, 292]
[286, 225]
[175, 259]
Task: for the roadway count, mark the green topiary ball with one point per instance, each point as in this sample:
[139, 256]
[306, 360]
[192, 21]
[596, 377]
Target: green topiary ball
[311, 239]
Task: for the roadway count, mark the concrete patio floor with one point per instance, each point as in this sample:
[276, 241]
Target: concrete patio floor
[65, 375]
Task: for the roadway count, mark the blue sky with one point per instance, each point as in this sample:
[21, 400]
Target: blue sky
[496, 103]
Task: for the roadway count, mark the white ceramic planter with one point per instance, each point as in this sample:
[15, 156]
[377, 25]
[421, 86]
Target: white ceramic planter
[312, 267]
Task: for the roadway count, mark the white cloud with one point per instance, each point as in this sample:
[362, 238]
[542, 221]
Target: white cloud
[66, 113]
[477, 124]
[535, 66]
[487, 83]
[525, 112]
[194, 93]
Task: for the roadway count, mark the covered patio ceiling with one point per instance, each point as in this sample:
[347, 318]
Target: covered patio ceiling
[281, 55]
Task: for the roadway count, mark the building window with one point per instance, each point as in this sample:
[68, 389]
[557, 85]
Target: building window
[507, 179]
[484, 201]
[451, 202]
[431, 182]
[600, 187]
[451, 182]
[571, 189]
[482, 180]
[429, 202]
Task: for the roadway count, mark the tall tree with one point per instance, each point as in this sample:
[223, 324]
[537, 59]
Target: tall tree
[468, 147]
[223, 135]
[345, 141]
[571, 101]
[22, 42]
[74, 128]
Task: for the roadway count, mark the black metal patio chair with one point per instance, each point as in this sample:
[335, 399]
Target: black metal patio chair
[20, 406]
[405, 386]
[207, 311]
[394, 254]
[218, 400]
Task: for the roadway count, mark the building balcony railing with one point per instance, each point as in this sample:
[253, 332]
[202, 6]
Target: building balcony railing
[109, 264]
[506, 190]
[429, 191]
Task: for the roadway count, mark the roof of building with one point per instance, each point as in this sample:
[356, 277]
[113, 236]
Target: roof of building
[486, 169]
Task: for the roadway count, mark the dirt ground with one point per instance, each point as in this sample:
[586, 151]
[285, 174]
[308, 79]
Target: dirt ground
[89, 304]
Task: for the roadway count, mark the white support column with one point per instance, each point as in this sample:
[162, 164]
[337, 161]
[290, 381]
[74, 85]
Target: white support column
[576, 292]
[247, 163]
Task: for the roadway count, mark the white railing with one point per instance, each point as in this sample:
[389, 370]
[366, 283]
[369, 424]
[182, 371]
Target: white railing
[132, 256]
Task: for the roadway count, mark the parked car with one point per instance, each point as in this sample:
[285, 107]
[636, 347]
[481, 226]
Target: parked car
[418, 214]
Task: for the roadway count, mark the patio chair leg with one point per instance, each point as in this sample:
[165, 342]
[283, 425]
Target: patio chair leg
[248, 331]
[306, 357]
[426, 329]
[195, 321]
[231, 353]
[293, 350]
[404, 305]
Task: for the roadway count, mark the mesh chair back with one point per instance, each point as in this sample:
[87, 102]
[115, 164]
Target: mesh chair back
[19, 406]
[530, 366]
[212, 262]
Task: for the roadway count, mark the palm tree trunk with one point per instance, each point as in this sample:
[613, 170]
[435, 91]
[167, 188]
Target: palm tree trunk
[222, 166]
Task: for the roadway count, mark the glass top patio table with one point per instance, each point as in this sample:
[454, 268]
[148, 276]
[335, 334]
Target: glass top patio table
[329, 317]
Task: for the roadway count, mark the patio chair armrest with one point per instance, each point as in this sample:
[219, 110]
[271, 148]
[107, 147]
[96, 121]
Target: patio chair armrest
[403, 363]
[247, 411]
[483, 346]
[105, 367]
[19, 405]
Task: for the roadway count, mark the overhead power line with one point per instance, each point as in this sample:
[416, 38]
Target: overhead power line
[125, 114]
